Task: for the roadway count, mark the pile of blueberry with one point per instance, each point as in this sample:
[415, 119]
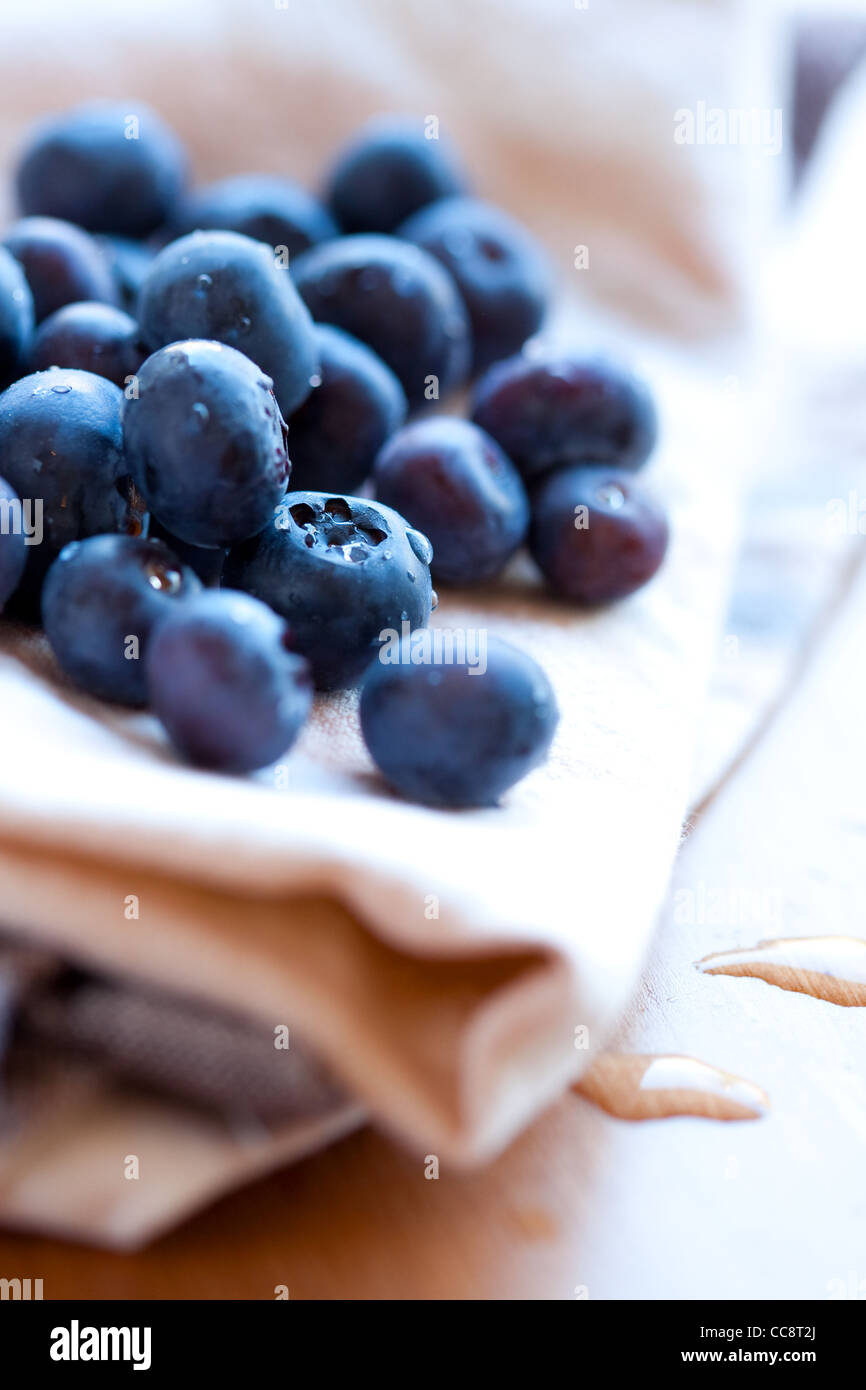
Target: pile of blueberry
[188, 550]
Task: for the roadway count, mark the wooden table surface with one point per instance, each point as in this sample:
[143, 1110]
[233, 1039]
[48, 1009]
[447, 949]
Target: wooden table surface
[584, 1205]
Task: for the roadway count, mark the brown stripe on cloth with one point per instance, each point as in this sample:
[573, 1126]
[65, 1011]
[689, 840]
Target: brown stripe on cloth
[96, 1073]
[22, 967]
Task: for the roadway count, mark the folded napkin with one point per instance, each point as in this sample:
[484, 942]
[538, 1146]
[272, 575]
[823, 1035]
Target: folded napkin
[123, 1108]
[452, 971]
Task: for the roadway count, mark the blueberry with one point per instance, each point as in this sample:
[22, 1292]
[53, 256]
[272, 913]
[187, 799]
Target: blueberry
[16, 318]
[102, 600]
[500, 271]
[95, 337]
[62, 264]
[205, 442]
[260, 206]
[388, 172]
[105, 166]
[129, 262]
[398, 300]
[205, 561]
[453, 482]
[13, 542]
[61, 449]
[229, 288]
[341, 571]
[565, 410]
[596, 534]
[456, 732]
[336, 434]
[225, 684]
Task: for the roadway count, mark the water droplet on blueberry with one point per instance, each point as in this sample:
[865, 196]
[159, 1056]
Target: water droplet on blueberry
[420, 545]
[165, 581]
[611, 496]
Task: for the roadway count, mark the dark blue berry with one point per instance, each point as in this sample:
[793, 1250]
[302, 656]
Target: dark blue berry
[566, 409]
[500, 271]
[342, 571]
[61, 449]
[129, 262]
[62, 264]
[260, 206]
[389, 171]
[453, 482]
[95, 337]
[16, 318]
[224, 682]
[13, 542]
[596, 534]
[101, 601]
[229, 288]
[457, 732]
[105, 166]
[398, 300]
[336, 434]
[205, 442]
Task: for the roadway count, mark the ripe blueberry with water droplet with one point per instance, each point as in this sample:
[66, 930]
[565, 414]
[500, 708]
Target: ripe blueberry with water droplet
[596, 534]
[205, 442]
[226, 287]
[101, 601]
[341, 571]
